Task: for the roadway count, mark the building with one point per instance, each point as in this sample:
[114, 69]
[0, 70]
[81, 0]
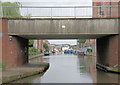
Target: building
[92, 44]
[38, 44]
[51, 47]
[75, 47]
[65, 47]
[106, 8]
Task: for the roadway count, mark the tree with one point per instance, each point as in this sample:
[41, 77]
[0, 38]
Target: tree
[81, 41]
[45, 46]
[31, 42]
[0, 9]
[11, 11]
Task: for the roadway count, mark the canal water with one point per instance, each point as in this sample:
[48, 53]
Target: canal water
[69, 68]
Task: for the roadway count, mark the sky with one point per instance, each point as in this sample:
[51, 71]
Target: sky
[47, 0]
[60, 0]
[55, 3]
[68, 41]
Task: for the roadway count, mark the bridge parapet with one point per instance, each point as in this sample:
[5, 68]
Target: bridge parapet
[63, 11]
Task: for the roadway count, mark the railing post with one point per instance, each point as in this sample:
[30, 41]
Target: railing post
[51, 13]
[74, 12]
[27, 13]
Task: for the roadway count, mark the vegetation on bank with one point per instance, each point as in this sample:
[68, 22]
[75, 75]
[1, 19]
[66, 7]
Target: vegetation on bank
[1, 65]
[45, 46]
[34, 51]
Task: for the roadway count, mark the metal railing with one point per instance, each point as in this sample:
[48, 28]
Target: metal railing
[61, 11]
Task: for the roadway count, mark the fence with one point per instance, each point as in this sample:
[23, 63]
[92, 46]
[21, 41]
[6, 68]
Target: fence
[60, 11]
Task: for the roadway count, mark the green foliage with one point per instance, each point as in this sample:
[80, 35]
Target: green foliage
[31, 42]
[82, 69]
[81, 41]
[75, 51]
[45, 46]
[34, 51]
[0, 9]
[11, 11]
[2, 66]
[89, 50]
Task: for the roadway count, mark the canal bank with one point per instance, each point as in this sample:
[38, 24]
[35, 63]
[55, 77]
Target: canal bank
[107, 69]
[36, 56]
[33, 68]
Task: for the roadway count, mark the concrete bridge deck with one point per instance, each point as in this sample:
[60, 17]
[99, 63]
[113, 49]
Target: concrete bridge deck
[63, 28]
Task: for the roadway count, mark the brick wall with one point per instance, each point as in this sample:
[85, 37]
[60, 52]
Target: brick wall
[108, 50]
[0, 41]
[14, 52]
[106, 12]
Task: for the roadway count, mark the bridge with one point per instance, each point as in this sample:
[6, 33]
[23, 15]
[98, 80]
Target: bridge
[63, 28]
[17, 31]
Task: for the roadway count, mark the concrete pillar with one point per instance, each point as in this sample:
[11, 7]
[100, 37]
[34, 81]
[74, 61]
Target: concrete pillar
[108, 52]
[14, 48]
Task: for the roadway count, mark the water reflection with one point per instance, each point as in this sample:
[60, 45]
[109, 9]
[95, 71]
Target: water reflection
[66, 69]
[71, 69]
[82, 64]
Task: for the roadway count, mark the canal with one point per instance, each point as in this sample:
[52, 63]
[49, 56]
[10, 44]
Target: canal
[69, 68]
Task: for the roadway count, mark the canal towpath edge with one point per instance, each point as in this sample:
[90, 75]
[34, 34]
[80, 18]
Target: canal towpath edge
[27, 70]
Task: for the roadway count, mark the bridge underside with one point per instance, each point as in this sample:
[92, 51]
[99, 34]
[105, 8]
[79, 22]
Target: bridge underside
[64, 36]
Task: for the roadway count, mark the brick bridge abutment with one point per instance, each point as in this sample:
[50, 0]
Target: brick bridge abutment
[108, 52]
[14, 48]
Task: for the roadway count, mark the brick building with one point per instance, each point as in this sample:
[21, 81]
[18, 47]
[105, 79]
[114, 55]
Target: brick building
[39, 44]
[106, 8]
[91, 43]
